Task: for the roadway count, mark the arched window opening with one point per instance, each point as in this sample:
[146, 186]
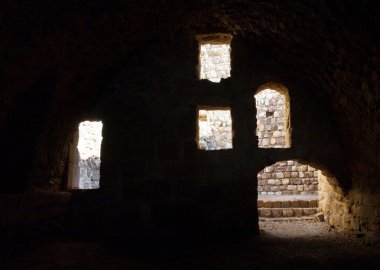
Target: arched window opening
[291, 189]
[288, 189]
[214, 56]
[273, 117]
[85, 159]
[214, 129]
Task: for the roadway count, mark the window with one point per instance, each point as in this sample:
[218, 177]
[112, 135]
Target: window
[214, 56]
[273, 117]
[85, 156]
[214, 129]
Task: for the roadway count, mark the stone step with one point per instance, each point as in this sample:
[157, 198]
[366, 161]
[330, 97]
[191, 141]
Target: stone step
[302, 203]
[287, 212]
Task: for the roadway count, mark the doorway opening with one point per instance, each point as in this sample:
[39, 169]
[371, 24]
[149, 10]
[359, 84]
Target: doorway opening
[288, 189]
[84, 172]
[298, 191]
[273, 116]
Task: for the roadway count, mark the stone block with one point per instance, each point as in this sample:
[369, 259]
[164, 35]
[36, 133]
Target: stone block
[276, 204]
[277, 213]
[292, 187]
[295, 203]
[281, 168]
[286, 204]
[271, 182]
[302, 168]
[279, 175]
[309, 174]
[264, 212]
[298, 212]
[267, 204]
[304, 203]
[269, 169]
[285, 181]
[309, 211]
[274, 188]
[313, 203]
[287, 212]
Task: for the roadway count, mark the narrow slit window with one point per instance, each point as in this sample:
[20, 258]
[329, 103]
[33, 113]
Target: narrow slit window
[85, 156]
[214, 57]
[273, 117]
[214, 129]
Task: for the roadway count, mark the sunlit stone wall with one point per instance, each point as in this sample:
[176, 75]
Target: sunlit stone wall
[271, 119]
[215, 129]
[215, 62]
[287, 178]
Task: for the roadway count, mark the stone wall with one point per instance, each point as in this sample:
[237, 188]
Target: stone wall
[215, 129]
[89, 173]
[288, 177]
[353, 211]
[215, 61]
[271, 119]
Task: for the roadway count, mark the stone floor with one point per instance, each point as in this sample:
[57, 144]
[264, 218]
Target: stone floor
[281, 245]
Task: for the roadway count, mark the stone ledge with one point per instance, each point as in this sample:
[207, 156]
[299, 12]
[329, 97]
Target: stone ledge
[286, 212]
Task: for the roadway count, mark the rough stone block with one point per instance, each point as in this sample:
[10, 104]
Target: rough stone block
[302, 168]
[298, 212]
[279, 175]
[271, 182]
[286, 204]
[309, 211]
[304, 203]
[295, 203]
[264, 212]
[260, 204]
[313, 203]
[277, 212]
[287, 212]
[276, 204]
[267, 204]
[274, 188]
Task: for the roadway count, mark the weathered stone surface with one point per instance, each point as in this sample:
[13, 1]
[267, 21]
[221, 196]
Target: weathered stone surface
[288, 212]
[272, 107]
[286, 175]
[298, 212]
[215, 129]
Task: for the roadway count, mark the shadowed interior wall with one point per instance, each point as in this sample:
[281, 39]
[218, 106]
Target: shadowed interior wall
[133, 66]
